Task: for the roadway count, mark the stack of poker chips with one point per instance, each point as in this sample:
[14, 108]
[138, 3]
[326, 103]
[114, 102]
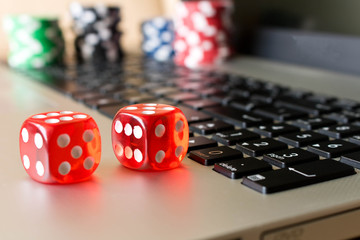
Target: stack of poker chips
[34, 42]
[202, 32]
[158, 37]
[97, 35]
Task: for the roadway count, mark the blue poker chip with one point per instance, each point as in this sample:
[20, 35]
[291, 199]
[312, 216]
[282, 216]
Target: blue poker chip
[158, 36]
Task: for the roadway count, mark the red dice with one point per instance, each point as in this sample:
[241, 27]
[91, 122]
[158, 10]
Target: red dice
[60, 147]
[150, 136]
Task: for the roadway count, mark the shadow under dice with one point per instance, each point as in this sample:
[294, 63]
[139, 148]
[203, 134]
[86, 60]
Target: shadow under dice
[150, 136]
[60, 147]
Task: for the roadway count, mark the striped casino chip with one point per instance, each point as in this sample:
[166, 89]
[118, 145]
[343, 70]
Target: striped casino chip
[34, 42]
[158, 37]
[202, 32]
[97, 35]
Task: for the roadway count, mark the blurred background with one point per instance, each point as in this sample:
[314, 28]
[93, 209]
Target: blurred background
[133, 12]
[318, 33]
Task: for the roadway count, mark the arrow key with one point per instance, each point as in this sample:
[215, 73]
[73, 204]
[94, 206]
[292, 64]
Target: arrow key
[333, 148]
[340, 131]
[259, 147]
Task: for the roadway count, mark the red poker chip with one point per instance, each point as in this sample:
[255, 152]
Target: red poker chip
[195, 56]
[202, 32]
[193, 12]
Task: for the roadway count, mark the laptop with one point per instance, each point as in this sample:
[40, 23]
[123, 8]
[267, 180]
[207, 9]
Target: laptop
[207, 198]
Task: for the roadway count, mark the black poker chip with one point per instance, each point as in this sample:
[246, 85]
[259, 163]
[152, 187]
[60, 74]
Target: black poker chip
[97, 34]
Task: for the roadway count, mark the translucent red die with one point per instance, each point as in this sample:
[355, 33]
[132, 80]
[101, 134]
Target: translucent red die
[60, 147]
[150, 136]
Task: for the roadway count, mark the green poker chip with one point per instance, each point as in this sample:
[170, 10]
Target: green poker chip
[12, 23]
[25, 59]
[34, 42]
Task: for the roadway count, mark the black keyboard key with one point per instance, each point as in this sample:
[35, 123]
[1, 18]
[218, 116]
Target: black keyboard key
[237, 117]
[110, 111]
[340, 131]
[344, 117]
[210, 156]
[319, 98]
[222, 98]
[162, 91]
[127, 93]
[357, 123]
[102, 102]
[83, 96]
[313, 123]
[69, 87]
[347, 104]
[241, 93]
[234, 136]
[140, 98]
[150, 86]
[276, 129]
[351, 159]
[333, 149]
[306, 106]
[201, 103]
[275, 88]
[111, 87]
[180, 97]
[297, 176]
[200, 142]
[209, 127]
[279, 114]
[355, 139]
[192, 86]
[241, 167]
[264, 96]
[289, 157]
[159, 101]
[247, 105]
[193, 116]
[208, 92]
[260, 147]
[253, 84]
[302, 139]
[297, 93]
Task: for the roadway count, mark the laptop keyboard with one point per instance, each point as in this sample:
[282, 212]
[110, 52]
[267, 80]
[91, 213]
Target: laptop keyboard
[268, 136]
